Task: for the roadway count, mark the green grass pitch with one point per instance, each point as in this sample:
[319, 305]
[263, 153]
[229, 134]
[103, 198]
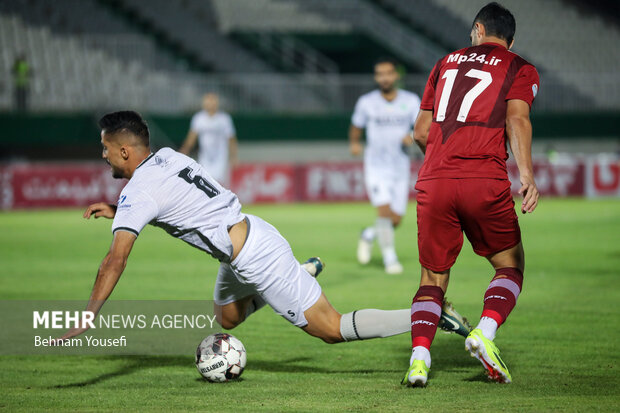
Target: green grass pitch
[561, 342]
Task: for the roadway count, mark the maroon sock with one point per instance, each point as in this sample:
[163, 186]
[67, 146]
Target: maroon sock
[501, 296]
[425, 315]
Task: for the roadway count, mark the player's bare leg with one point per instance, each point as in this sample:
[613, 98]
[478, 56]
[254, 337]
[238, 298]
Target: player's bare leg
[327, 324]
[387, 221]
[499, 300]
[426, 310]
[231, 315]
[323, 321]
[383, 230]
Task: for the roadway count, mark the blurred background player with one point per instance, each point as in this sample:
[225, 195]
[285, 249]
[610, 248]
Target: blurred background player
[21, 80]
[215, 134]
[387, 114]
[475, 98]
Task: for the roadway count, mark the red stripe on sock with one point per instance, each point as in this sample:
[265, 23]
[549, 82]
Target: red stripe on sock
[421, 341]
[494, 315]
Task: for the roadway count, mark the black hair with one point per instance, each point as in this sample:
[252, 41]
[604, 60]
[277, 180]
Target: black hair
[385, 59]
[126, 121]
[498, 21]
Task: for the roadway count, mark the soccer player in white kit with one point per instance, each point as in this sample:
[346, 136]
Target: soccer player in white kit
[388, 115]
[170, 190]
[215, 134]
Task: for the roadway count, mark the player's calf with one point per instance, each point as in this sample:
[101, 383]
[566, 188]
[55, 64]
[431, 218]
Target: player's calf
[231, 315]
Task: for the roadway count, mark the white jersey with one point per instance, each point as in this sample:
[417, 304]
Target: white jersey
[213, 135]
[386, 124]
[174, 192]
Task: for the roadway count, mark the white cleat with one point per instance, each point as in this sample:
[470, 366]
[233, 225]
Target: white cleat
[394, 268]
[364, 251]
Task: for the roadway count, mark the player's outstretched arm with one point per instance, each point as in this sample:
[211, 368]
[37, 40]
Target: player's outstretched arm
[100, 209]
[189, 143]
[519, 131]
[355, 138]
[422, 127]
[108, 275]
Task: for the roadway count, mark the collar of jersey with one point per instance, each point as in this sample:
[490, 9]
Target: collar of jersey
[494, 44]
[145, 159]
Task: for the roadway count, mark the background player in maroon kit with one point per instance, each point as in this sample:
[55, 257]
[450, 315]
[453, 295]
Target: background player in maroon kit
[474, 99]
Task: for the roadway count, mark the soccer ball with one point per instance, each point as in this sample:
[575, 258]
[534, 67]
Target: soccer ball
[220, 357]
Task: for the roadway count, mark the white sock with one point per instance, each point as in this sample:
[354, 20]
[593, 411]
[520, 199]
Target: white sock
[488, 327]
[369, 234]
[385, 237]
[370, 323]
[421, 353]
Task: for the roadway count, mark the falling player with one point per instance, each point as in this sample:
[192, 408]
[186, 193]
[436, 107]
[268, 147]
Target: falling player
[475, 98]
[214, 132]
[388, 115]
[170, 190]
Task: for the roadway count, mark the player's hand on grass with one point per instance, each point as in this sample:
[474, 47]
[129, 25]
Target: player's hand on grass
[355, 148]
[100, 209]
[530, 194]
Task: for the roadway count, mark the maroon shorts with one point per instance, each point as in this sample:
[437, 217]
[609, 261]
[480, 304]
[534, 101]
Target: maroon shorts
[482, 208]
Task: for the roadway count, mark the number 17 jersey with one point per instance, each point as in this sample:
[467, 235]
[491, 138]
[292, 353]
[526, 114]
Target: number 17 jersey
[174, 192]
[468, 92]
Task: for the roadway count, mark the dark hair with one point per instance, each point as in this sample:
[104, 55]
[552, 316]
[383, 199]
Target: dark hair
[126, 121]
[498, 21]
[385, 59]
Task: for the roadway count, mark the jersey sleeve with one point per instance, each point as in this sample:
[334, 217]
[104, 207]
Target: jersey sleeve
[525, 85]
[428, 98]
[133, 211]
[229, 127]
[359, 118]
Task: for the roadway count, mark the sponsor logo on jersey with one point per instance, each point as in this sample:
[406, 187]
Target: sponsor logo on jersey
[121, 202]
[389, 120]
[534, 89]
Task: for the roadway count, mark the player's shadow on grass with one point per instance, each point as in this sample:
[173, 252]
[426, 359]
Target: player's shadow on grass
[292, 366]
[133, 363]
[449, 357]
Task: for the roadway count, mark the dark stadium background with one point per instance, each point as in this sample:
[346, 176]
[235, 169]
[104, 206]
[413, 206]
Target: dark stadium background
[289, 71]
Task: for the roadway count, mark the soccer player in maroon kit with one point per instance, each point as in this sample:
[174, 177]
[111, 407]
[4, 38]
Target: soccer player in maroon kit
[475, 100]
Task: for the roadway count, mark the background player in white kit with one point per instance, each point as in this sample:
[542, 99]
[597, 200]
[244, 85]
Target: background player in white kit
[215, 134]
[388, 115]
[170, 190]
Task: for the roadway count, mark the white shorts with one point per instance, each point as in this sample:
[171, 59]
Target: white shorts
[266, 266]
[388, 188]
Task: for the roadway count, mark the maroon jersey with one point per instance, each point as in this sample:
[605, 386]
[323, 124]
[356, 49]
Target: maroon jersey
[468, 92]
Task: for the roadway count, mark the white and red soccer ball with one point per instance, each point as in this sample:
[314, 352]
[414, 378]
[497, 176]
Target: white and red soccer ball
[220, 357]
